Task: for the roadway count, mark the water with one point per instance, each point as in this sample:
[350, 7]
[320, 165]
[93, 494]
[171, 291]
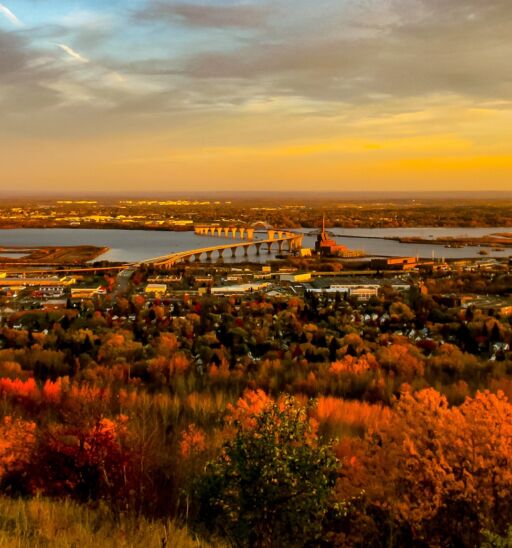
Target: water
[372, 242]
[139, 245]
[421, 232]
[9, 255]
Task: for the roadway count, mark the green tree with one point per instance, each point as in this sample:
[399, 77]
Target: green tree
[271, 485]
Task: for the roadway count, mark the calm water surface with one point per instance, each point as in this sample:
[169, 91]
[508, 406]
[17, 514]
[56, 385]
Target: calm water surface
[138, 245]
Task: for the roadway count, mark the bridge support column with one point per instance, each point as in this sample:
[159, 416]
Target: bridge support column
[280, 246]
[257, 246]
[271, 234]
[197, 257]
[242, 233]
[269, 247]
[233, 233]
[209, 255]
[221, 253]
[233, 251]
[246, 251]
[226, 232]
[250, 233]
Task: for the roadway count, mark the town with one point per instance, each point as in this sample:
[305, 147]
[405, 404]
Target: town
[328, 268]
[303, 211]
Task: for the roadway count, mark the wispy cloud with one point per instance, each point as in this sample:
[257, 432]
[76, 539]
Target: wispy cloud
[244, 16]
[9, 15]
[73, 54]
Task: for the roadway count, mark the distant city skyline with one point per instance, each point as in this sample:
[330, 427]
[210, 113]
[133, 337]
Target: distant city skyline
[156, 96]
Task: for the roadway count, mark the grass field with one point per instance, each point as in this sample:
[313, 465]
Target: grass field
[42, 523]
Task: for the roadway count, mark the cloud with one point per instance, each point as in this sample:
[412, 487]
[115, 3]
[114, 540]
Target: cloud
[322, 59]
[242, 16]
[73, 54]
[9, 15]
[413, 48]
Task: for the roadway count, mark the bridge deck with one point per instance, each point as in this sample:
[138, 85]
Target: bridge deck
[240, 244]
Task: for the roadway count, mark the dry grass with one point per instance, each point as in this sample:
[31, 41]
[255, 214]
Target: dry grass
[41, 523]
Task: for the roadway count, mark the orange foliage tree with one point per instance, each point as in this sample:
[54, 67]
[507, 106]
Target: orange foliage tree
[85, 462]
[435, 473]
[17, 442]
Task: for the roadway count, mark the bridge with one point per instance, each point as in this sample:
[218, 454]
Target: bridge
[243, 238]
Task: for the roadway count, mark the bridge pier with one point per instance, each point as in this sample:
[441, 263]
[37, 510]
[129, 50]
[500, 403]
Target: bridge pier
[271, 234]
[242, 233]
[233, 233]
[209, 255]
[280, 246]
[221, 253]
[257, 246]
[246, 250]
[226, 231]
[269, 247]
[250, 233]
[233, 251]
[197, 257]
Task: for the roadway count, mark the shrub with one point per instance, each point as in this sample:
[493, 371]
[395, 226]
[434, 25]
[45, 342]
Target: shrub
[272, 483]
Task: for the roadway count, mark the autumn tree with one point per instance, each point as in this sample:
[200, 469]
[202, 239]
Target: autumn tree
[434, 475]
[271, 484]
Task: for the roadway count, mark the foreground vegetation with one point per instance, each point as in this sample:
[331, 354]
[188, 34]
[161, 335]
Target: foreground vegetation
[256, 421]
[44, 523]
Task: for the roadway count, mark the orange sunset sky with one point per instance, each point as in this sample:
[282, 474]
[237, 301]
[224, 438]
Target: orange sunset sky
[328, 95]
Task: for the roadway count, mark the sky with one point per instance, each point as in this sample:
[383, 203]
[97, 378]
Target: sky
[324, 95]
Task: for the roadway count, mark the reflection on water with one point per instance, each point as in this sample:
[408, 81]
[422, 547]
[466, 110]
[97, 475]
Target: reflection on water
[138, 245]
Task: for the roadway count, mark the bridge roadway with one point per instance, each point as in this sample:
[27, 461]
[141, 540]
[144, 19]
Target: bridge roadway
[281, 238]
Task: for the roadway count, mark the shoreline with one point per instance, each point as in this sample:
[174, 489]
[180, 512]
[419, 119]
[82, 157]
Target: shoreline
[55, 255]
[191, 228]
[447, 241]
